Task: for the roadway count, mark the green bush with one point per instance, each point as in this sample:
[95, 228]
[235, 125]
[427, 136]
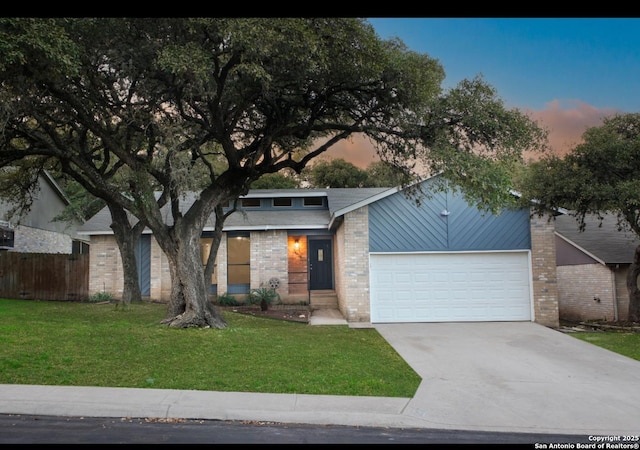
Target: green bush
[104, 296]
[227, 300]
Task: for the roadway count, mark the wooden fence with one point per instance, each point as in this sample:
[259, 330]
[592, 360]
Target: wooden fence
[44, 276]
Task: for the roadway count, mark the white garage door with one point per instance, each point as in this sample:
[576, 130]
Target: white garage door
[450, 287]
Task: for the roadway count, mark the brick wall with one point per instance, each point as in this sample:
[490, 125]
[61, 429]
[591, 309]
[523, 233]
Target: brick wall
[543, 267]
[586, 292]
[105, 273]
[160, 275]
[352, 266]
[269, 259]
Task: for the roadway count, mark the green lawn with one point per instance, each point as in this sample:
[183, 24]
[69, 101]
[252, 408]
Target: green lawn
[85, 344]
[88, 344]
[624, 343]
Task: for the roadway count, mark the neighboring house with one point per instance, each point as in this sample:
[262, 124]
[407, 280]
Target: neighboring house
[592, 268]
[36, 231]
[381, 257]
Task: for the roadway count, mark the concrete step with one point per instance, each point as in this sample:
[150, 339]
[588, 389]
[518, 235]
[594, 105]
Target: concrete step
[325, 299]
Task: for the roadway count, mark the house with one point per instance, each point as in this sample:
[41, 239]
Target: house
[36, 231]
[592, 268]
[379, 256]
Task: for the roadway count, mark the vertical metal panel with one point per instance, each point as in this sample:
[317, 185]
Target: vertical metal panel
[143, 260]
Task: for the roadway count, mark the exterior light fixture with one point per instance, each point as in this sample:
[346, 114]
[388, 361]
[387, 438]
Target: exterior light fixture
[444, 213]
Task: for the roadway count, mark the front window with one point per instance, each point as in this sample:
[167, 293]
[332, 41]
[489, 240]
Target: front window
[238, 263]
[282, 201]
[313, 201]
[250, 202]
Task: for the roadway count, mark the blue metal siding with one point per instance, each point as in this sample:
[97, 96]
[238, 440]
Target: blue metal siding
[397, 224]
[143, 259]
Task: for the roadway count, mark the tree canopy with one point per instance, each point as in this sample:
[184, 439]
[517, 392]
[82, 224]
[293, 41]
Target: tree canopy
[139, 111]
[599, 176]
[336, 173]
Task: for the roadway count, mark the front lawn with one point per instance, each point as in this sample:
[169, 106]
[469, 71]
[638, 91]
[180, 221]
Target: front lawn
[86, 344]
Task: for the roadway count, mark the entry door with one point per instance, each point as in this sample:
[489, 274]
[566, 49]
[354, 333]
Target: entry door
[320, 264]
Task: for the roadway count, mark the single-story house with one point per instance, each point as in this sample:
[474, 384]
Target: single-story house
[37, 230]
[592, 268]
[380, 256]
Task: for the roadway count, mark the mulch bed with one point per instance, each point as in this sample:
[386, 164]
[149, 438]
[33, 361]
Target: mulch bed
[594, 326]
[291, 313]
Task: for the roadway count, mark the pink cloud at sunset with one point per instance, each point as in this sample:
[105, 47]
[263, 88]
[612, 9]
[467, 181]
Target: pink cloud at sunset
[566, 125]
[565, 121]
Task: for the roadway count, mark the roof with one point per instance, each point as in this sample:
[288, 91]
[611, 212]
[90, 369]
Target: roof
[604, 242]
[339, 201]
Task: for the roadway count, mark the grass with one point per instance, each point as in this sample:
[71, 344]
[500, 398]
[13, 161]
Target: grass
[621, 342]
[85, 344]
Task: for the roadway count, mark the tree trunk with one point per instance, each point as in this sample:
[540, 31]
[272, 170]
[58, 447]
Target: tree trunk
[215, 243]
[632, 287]
[189, 305]
[127, 237]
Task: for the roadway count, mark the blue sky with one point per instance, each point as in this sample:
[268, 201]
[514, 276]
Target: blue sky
[530, 61]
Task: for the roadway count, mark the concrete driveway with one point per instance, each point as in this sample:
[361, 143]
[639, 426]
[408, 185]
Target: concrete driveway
[517, 376]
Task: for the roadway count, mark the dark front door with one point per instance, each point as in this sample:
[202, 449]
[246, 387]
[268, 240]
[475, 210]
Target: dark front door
[320, 264]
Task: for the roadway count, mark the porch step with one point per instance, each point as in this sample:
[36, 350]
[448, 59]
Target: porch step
[325, 299]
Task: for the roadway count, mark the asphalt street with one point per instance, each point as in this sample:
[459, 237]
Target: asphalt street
[27, 429]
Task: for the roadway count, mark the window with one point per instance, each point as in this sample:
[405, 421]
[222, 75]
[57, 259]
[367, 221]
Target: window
[281, 202]
[251, 202]
[205, 249]
[79, 247]
[238, 263]
[313, 201]
[6, 237]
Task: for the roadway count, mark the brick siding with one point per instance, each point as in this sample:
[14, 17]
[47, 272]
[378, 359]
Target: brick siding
[586, 292]
[352, 266]
[269, 259]
[543, 268]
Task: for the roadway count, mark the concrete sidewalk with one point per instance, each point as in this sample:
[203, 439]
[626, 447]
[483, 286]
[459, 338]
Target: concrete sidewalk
[510, 377]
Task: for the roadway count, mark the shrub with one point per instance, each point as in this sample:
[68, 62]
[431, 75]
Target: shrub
[227, 300]
[104, 296]
[264, 297]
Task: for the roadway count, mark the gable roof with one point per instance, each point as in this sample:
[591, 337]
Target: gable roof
[605, 242]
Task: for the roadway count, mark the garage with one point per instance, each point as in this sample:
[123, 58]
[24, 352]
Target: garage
[450, 287]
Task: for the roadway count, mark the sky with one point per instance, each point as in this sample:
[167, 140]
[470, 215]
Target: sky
[566, 73]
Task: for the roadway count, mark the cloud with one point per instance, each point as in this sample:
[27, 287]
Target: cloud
[357, 150]
[565, 120]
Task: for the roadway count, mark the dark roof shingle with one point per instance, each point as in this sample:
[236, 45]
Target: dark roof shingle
[602, 240]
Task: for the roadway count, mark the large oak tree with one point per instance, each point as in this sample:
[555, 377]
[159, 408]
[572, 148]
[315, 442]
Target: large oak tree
[136, 110]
